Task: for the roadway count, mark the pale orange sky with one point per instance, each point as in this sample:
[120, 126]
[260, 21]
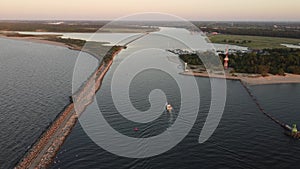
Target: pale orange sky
[284, 10]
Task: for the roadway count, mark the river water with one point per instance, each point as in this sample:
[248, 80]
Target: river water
[245, 138]
[36, 81]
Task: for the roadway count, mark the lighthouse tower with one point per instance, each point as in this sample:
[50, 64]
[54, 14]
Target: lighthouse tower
[185, 67]
[226, 59]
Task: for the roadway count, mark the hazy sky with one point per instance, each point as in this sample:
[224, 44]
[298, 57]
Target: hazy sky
[286, 10]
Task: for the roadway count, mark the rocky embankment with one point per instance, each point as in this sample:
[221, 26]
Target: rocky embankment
[45, 149]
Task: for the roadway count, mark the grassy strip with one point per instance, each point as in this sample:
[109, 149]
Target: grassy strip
[253, 42]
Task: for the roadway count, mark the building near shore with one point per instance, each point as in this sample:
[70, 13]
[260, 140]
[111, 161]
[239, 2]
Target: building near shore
[221, 49]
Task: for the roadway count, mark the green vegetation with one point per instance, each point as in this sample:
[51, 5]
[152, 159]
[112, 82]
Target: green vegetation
[67, 41]
[110, 54]
[97, 49]
[265, 29]
[208, 57]
[191, 59]
[44, 27]
[274, 61]
[253, 42]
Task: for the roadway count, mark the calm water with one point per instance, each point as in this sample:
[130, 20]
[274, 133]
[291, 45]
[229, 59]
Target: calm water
[36, 82]
[245, 138]
[35, 86]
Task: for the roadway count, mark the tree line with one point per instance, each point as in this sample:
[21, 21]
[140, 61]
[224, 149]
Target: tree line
[273, 61]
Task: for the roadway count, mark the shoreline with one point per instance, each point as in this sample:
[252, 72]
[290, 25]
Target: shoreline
[44, 40]
[272, 79]
[40, 40]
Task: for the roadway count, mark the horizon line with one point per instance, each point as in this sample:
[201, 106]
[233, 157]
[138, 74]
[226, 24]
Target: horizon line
[109, 20]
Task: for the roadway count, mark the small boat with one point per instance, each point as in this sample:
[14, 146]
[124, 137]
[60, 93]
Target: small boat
[169, 108]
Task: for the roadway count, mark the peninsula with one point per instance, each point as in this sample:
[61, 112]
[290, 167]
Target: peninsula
[255, 67]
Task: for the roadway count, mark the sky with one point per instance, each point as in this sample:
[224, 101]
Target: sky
[217, 10]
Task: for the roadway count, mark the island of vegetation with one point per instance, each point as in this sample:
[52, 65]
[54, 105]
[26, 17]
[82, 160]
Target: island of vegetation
[279, 65]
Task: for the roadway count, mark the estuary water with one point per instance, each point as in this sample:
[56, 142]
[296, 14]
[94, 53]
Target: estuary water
[245, 138]
[36, 82]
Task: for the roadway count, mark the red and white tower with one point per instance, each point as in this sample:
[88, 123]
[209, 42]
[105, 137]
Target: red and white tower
[226, 59]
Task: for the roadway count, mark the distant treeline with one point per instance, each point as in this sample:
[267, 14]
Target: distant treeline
[45, 27]
[270, 29]
[73, 26]
[283, 33]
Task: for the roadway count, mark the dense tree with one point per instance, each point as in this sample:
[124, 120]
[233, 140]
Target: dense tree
[274, 61]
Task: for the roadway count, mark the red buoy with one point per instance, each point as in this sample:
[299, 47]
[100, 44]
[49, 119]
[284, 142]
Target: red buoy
[136, 129]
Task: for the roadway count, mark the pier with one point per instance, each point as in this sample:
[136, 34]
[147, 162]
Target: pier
[44, 150]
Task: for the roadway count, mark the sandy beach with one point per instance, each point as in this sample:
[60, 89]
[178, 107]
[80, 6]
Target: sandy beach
[36, 39]
[271, 79]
